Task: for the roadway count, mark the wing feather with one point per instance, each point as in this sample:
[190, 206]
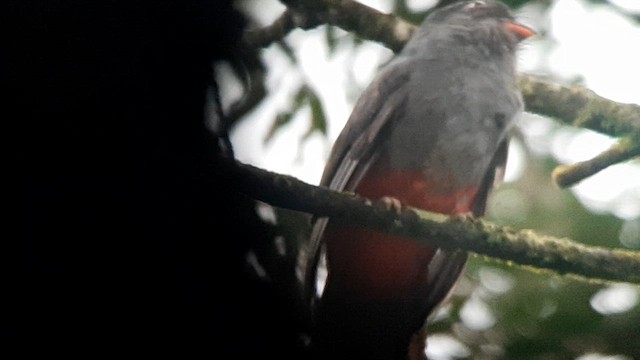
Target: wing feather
[354, 151]
[445, 266]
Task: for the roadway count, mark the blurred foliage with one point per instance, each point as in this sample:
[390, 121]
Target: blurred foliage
[305, 96]
[544, 316]
[535, 315]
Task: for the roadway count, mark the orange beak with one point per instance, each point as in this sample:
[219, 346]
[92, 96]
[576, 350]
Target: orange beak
[520, 31]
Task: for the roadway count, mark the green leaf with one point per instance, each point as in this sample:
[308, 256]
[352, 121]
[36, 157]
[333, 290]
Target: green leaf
[318, 122]
[285, 117]
[330, 38]
[318, 116]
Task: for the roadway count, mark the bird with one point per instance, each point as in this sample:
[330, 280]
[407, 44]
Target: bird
[431, 131]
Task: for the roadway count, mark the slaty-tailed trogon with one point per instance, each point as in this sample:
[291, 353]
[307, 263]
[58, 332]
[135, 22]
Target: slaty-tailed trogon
[432, 132]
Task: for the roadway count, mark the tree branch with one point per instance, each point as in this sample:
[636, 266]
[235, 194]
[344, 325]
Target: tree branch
[581, 107]
[569, 175]
[352, 16]
[259, 38]
[522, 247]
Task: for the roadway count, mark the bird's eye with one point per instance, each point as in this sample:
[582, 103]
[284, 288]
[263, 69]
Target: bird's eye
[475, 4]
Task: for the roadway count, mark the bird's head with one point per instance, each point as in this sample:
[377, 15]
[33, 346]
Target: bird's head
[480, 20]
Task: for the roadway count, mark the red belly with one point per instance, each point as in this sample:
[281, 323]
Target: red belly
[377, 266]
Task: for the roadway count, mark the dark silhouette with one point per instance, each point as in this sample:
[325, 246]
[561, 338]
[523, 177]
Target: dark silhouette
[132, 237]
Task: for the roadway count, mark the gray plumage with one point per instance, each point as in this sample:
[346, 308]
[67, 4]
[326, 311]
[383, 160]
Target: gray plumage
[445, 105]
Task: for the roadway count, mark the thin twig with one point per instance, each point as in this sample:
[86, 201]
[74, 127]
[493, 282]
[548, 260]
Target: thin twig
[567, 175]
[357, 18]
[263, 37]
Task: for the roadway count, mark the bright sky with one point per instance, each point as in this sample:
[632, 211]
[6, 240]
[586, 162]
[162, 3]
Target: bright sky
[589, 42]
[596, 44]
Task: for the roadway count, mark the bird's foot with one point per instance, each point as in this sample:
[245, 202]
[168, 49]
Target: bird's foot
[391, 203]
[464, 216]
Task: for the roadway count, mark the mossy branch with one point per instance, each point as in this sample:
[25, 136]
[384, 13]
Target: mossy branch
[580, 107]
[524, 247]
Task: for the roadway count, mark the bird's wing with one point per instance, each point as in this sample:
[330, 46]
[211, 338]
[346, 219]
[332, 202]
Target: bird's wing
[355, 150]
[445, 266]
[380, 103]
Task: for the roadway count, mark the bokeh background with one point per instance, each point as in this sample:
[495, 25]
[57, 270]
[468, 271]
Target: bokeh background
[312, 79]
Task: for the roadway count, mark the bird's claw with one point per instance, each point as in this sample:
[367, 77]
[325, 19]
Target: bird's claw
[391, 203]
[464, 216]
